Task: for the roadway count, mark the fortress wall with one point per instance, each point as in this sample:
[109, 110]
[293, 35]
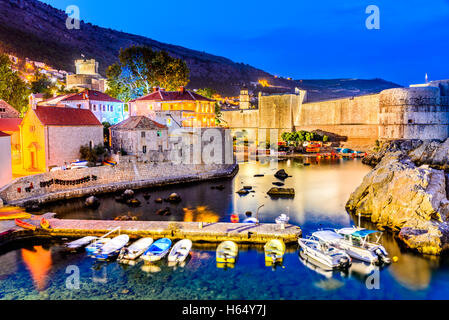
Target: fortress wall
[241, 119]
[413, 113]
[353, 118]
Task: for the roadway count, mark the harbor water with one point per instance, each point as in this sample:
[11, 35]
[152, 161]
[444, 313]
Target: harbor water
[41, 270]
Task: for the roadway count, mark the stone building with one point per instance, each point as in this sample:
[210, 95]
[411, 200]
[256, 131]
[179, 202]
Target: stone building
[175, 109]
[7, 111]
[86, 76]
[418, 112]
[103, 106]
[140, 136]
[52, 136]
[5, 159]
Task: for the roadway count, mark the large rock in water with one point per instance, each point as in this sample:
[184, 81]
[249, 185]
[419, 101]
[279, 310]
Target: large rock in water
[399, 195]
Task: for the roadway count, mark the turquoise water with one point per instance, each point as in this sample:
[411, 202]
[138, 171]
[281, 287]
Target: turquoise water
[41, 270]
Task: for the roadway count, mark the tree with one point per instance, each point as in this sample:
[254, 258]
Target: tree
[42, 84]
[93, 155]
[12, 89]
[106, 126]
[140, 68]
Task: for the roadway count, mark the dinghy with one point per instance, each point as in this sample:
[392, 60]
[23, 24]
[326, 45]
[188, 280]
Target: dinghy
[180, 251]
[135, 250]
[79, 244]
[157, 250]
[25, 225]
[92, 248]
[329, 256]
[251, 220]
[227, 252]
[112, 248]
[274, 251]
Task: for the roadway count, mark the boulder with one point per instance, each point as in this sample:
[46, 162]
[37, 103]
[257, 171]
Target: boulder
[164, 212]
[281, 174]
[158, 200]
[259, 175]
[401, 196]
[174, 198]
[92, 202]
[146, 196]
[128, 194]
[133, 202]
[279, 184]
[281, 192]
[242, 192]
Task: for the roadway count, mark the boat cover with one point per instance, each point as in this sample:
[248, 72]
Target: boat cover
[327, 235]
[357, 232]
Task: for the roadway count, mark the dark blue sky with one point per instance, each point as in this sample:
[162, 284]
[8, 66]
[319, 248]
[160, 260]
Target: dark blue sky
[293, 38]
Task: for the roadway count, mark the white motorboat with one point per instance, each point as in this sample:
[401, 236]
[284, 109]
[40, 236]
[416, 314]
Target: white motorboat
[135, 250]
[79, 243]
[355, 242]
[180, 251]
[112, 248]
[329, 256]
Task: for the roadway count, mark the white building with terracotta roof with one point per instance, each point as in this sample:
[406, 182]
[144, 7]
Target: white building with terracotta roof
[103, 106]
[175, 109]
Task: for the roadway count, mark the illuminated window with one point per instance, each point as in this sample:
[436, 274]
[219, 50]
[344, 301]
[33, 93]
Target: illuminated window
[32, 128]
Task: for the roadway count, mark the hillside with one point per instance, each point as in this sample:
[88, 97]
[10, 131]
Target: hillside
[30, 28]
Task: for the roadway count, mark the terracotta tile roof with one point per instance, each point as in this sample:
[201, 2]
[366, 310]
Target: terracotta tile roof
[10, 124]
[2, 134]
[139, 122]
[90, 95]
[55, 116]
[184, 95]
[6, 105]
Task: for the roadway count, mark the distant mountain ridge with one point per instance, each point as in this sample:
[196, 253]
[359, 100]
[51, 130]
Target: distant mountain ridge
[30, 28]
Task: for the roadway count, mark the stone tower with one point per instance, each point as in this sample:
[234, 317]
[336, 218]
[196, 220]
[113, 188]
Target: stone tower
[86, 67]
[244, 99]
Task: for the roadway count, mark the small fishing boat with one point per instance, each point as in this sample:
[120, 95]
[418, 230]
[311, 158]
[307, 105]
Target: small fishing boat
[80, 243]
[227, 252]
[79, 163]
[274, 251]
[157, 250]
[109, 163]
[112, 248]
[45, 224]
[25, 225]
[282, 219]
[12, 213]
[180, 251]
[135, 250]
[355, 241]
[330, 257]
[92, 248]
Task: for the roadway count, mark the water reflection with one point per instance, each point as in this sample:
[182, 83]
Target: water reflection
[39, 262]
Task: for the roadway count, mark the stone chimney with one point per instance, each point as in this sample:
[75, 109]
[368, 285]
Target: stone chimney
[155, 89]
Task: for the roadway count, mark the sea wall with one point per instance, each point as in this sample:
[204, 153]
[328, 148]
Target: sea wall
[57, 185]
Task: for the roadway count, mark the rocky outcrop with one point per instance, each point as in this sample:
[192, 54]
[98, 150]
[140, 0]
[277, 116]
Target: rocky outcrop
[434, 153]
[411, 199]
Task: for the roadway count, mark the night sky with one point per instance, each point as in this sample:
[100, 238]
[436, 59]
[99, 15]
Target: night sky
[318, 39]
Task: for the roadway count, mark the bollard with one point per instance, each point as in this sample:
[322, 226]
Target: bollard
[200, 225]
[282, 226]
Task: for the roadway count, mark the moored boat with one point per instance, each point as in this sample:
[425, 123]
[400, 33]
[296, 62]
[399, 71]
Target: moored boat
[25, 225]
[329, 256]
[157, 250]
[274, 251]
[79, 243]
[45, 224]
[180, 251]
[96, 245]
[356, 243]
[135, 250]
[227, 252]
[112, 248]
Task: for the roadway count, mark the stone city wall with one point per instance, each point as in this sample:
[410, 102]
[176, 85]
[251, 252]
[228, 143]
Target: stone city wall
[56, 185]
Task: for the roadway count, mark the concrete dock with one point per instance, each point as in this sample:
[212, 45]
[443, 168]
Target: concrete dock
[208, 232]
